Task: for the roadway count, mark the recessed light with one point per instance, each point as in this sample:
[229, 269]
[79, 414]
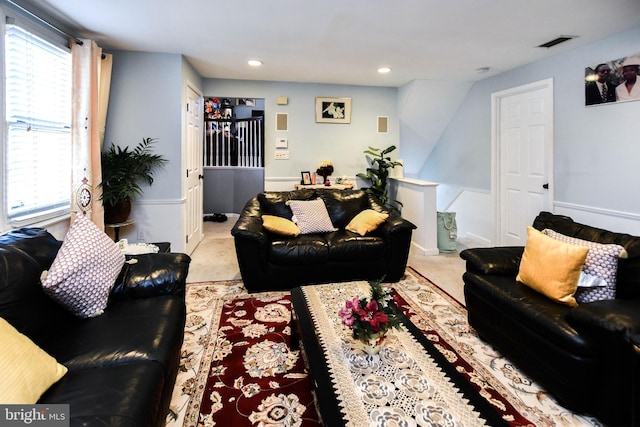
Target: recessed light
[482, 70]
[255, 62]
[384, 70]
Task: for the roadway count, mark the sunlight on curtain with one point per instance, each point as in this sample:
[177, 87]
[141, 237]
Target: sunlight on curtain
[91, 83]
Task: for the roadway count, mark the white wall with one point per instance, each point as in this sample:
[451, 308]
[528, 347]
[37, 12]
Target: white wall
[311, 142]
[596, 148]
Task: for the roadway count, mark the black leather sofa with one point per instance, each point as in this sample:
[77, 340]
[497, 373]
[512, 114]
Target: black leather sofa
[272, 262]
[584, 355]
[122, 365]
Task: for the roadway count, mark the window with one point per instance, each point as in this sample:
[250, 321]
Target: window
[37, 145]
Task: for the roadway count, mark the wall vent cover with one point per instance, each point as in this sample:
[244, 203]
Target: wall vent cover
[557, 41]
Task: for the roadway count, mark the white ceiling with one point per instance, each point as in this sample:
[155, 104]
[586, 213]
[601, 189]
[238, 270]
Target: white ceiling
[345, 42]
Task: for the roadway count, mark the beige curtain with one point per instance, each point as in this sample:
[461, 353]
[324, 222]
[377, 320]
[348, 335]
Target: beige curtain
[91, 83]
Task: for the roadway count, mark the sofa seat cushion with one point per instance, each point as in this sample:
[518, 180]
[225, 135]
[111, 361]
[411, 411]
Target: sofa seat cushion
[532, 310]
[348, 246]
[149, 329]
[306, 249]
[122, 395]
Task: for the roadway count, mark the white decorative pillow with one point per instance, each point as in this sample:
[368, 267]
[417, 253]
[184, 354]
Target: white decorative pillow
[27, 371]
[598, 277]
[311, 216]
[84, 270]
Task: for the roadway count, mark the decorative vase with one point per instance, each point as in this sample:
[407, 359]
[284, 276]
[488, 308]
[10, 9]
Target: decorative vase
[118, 213]
[372, 345]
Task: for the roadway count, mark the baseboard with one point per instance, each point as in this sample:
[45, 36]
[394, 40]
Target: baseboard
[425, 251]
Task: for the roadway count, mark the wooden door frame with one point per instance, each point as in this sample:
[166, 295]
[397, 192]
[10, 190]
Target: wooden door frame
[496, 176]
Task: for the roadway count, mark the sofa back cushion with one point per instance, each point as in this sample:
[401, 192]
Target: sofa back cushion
[343, 205]
[24, 254]
[628, 280]
[275, 202]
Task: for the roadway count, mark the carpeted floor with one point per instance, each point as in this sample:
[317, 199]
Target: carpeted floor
[259, 394]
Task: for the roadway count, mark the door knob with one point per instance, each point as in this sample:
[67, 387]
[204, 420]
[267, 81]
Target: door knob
[545, 186]
[200, 177]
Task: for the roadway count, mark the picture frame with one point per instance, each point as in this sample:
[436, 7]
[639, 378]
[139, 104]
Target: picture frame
[605, 81]
[333, 110]
[306, 178]
[246, 102]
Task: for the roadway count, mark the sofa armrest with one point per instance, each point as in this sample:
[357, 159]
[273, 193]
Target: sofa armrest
[501, 260]
[618, 316]
[394, 223]
[150, 275]
[249, 224]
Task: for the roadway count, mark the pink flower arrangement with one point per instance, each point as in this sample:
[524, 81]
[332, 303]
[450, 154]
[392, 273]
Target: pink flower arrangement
[369, 318]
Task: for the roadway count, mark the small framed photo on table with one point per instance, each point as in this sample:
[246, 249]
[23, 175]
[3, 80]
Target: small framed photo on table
[306, 178]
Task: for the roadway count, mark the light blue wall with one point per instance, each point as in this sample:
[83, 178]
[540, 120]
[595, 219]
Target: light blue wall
[145, 101]
[148, 99]
[311, 142]
[597, 149]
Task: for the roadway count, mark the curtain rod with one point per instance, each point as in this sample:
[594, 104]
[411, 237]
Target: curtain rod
[47, 23]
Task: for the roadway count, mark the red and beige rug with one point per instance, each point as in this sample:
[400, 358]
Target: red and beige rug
[237, 368]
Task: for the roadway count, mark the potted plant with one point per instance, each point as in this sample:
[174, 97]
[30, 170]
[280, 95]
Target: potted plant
[378, 173]
[123, 170]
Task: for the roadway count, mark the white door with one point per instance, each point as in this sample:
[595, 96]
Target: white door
[194, 169]
[523, 143]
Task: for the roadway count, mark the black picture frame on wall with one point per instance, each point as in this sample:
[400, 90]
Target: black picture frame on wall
[613, 81]
[333, 110]
[306, 178]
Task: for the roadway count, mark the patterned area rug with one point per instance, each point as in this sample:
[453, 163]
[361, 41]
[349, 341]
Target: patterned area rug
[237, 369]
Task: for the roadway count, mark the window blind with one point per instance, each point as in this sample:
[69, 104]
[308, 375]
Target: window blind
[38, 118]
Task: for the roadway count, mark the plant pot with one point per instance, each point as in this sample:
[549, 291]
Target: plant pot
[118, 213]
[371, 346]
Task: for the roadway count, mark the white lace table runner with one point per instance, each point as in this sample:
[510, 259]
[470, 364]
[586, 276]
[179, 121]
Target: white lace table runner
[402, 385]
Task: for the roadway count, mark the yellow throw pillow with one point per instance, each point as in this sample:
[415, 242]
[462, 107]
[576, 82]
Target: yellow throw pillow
[26, 371]
[551, 267]
[279, 225]
[366, 221]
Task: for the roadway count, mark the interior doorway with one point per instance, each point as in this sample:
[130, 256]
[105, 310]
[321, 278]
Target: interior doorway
[522, 143]
[233, 153]
[194, 191]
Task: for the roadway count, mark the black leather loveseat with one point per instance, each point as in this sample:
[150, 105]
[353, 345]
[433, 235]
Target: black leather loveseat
[271, 261]
[583, 355]
[122, 364]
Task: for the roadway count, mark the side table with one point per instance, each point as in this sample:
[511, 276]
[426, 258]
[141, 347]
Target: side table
[332, 186]
[116, 227]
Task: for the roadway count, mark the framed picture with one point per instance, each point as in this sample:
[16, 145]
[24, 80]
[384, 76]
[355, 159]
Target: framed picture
[333, 110]
[306, 177]
[247, 102]
[611, 81]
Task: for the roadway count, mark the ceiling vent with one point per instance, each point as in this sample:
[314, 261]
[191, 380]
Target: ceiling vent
[557, 41]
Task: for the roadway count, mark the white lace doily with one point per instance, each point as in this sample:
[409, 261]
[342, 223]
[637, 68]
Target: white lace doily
[402, 384]
[139, 249]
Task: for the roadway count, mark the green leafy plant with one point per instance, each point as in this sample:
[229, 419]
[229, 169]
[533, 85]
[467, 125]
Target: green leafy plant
[123, 170]
[378, 173]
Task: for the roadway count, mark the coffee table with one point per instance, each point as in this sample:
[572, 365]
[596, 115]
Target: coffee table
[409, 380]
